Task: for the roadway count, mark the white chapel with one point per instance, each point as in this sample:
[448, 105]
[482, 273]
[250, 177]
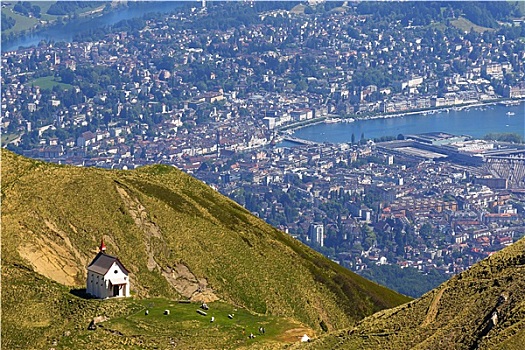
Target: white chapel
[106, 276]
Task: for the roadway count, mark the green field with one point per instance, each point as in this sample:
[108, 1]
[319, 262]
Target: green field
[466, 25]
[184, 322]
[22, 22]
[183, 327]
[49, 82]
[26, 23]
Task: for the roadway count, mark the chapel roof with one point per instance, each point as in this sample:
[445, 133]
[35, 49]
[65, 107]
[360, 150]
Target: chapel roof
[102, 262]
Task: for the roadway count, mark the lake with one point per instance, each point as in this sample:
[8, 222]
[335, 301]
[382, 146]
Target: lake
[69, 30]
[476, 122]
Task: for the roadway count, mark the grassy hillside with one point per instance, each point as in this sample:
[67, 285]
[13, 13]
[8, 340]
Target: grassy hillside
[482, 308]
[178, 238]
[466, 25]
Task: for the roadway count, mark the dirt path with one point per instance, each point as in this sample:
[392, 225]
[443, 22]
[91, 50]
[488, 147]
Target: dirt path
[433, 309]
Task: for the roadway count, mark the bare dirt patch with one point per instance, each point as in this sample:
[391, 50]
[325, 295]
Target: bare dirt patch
[140, 216]
[188, 285]
[64, 237]
[51, 260]
[295, 334]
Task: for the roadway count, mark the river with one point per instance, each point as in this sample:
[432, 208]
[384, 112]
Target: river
[69, 30]
[476, 122]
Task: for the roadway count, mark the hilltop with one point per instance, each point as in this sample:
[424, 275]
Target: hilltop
[482, 308]
[179, 239]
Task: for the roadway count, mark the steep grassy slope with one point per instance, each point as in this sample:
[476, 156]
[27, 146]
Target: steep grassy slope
[482, 308]
[178, 238]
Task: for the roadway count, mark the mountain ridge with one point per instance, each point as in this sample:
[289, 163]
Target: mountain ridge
[481, 308]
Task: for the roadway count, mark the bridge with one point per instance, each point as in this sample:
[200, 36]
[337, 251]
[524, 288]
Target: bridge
[299, 141]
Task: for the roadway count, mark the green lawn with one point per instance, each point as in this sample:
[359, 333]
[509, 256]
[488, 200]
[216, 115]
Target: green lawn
[49, 82]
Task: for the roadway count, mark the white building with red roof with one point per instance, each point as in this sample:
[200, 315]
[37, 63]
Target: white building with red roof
[106, 276]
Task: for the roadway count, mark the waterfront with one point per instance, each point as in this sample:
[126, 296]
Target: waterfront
[68, 31]
[476, 122]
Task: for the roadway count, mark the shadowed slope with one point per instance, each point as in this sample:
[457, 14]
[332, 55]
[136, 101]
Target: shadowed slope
[176, 236]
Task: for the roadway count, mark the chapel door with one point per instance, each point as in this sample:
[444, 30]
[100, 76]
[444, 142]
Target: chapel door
[116, 291]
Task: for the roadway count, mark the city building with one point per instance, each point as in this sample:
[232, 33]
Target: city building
[316, 233]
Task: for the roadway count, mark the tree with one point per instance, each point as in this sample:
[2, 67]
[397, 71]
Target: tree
[20, 9]
[301, 85]
[7, 22]
[408, 281]
[426, 230]
[362, 140]
[369, 237]
[36, 11]
[67, 76]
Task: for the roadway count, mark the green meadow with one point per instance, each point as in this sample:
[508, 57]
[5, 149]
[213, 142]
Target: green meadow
[48, 82]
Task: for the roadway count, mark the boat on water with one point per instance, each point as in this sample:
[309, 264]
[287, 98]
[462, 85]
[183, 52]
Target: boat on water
[510, 103]
[510, 113]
